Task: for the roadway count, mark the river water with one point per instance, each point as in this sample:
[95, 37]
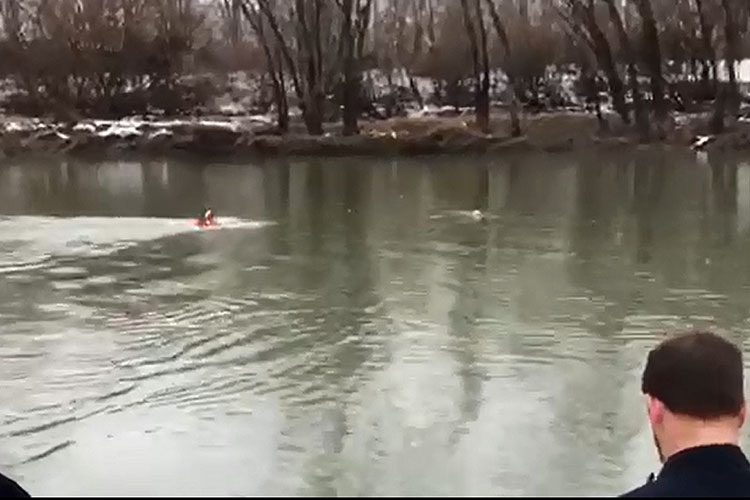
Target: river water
[352, 329]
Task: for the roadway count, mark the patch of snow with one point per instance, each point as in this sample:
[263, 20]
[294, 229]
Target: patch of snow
[213, 123]
[168, 124]
[13, 127]
[432, 110]
[133, 121]
[84, 127]
[265, 119]
[232, 109]
[120, 131]
[159, 133]
[421, 113]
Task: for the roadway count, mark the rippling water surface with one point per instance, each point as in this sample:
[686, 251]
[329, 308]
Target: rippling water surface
[352, 329]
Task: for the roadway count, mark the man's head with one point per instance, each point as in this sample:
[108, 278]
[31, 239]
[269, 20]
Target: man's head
[695, 392]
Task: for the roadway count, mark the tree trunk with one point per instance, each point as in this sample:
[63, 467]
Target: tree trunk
[603, 123]
[523, 9]
[310, 52]
[730, 36]
[603, 54]
[452, 89]
[716, 125]
[481, 104]
[653, 59]
[281, 44]
[11, 20]
[312, 114]
[351, 87]
[641, 118]
[233, 11]
[415, 90]
[282, 104]
[502, 34]
[431, 37]
[709, 55]
[275, 66]
[355, 21]
[483, 100]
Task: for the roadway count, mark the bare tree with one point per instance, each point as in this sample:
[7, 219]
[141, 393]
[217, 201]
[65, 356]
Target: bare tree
[580, 14]
[730, 54]
[307, 71]
[709, 54]
[653, 59]
[111, 56]
[232, 11]
[641, 117]
[727, 95]
[274, 63]
[355, 21]
[10, 12]
[502, 34]
[477, 35]
[448, 61]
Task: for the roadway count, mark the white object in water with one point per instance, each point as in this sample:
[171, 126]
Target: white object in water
[477, 215]
[702, 140]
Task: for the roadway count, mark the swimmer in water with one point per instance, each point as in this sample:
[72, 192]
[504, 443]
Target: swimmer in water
[207, 218]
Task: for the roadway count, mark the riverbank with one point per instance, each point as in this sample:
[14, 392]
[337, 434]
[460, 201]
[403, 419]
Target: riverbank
[253, 136]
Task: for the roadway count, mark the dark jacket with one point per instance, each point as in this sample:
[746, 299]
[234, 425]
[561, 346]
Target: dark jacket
[705, 471]
[10, 489]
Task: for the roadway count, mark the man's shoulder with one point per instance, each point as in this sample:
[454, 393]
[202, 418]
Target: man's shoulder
[11, 489]
[696, 486]
[647, 490]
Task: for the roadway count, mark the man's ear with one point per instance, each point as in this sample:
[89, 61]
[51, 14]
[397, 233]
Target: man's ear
[656, 410]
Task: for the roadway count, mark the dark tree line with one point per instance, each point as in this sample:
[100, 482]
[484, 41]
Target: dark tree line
[110, 57]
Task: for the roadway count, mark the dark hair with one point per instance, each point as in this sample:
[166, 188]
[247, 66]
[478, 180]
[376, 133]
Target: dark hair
[698, 374]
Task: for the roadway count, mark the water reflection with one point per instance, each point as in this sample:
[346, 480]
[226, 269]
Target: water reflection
[376, 340]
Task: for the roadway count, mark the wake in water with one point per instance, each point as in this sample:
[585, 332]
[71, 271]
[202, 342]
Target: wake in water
[28, 242]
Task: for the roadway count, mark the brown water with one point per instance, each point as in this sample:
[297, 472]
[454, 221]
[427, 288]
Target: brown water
[352, 330]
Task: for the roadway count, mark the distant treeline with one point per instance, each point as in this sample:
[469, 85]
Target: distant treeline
[115, 57]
